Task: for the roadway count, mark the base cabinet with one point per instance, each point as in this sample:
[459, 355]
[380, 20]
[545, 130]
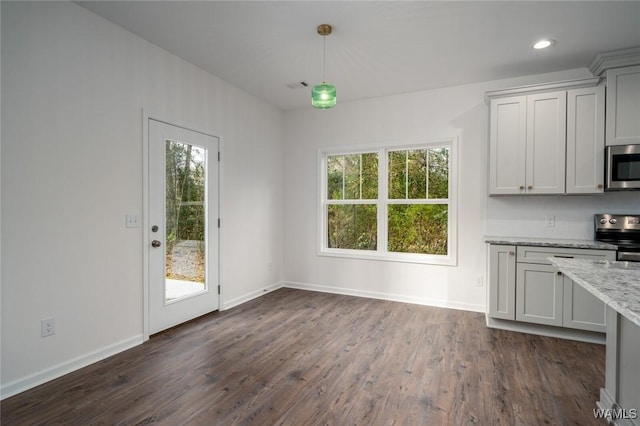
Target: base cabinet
[582, 310]
[539, 293]
[527, 288]
[502, 270]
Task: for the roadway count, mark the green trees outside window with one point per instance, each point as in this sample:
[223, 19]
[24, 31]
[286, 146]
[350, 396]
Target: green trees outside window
[352, 185]
[185, 211]
[417, 216]
[414, 197]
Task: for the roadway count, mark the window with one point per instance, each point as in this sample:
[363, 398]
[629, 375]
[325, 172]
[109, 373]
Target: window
[390, 203]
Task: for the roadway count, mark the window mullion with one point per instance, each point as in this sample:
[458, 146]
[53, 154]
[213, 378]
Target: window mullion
[344, 177]
[350, 202]
[383, 196]
[406, 174]
[426, 171]
[324, 194]
[360, 176]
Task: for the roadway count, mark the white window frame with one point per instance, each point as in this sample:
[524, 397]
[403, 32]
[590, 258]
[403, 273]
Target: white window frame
[450, 259]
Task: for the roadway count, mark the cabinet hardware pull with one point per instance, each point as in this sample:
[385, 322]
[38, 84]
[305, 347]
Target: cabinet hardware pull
[599, 186]
[521, 186]
[530, 187]
[564, 257]
[511, 253]
[559, 273]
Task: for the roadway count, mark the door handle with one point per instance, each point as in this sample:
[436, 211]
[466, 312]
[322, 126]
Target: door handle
[155, 243]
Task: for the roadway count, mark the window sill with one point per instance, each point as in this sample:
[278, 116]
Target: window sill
[391, 257]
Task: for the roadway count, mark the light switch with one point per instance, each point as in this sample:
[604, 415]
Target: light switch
[131, 220]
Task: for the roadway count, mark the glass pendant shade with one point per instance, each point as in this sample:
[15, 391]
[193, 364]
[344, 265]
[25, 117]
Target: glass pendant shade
[323, 96]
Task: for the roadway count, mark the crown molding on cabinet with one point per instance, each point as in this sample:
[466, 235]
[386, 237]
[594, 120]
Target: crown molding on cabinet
[542, 87]
[615, 59]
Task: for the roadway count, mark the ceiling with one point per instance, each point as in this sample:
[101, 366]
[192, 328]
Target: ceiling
[377, 48]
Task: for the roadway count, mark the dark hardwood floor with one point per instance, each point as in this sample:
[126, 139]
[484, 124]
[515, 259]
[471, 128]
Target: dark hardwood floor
[295, 357]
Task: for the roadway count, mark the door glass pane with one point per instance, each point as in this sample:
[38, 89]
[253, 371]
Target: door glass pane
[185, 220]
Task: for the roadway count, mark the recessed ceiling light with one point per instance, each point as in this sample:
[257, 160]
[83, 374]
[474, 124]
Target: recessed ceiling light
[542, 44]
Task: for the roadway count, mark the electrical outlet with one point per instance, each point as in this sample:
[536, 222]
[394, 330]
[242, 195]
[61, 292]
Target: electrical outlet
[479, 281]
[549, 221]
[47, 327]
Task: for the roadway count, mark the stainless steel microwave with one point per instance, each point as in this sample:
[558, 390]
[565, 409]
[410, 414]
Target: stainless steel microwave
[623, 167]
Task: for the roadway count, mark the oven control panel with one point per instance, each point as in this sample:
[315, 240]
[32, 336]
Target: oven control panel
[617, 222]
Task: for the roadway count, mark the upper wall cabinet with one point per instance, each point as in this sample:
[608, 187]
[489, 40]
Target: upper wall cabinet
[507, 145]
[585, 140]
[623, 106]
[545, 141]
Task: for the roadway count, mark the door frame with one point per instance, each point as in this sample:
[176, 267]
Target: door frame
[146, 116]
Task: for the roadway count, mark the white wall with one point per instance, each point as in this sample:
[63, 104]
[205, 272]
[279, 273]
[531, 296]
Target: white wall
[412, 118]
[525, 216]
[73, 89]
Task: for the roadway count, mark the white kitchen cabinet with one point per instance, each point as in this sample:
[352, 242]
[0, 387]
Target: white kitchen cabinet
[544, 141]
[527, 142]
[585, 140]
[539, 293]
[582, 310]
[528, 289]
[502, 278]
[623, 106]
[507, 145]
[545, 296]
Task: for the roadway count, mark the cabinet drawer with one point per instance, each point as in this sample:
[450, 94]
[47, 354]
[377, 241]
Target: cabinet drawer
[526, 254]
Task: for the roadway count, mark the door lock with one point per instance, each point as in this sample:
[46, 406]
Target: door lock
[154, 228]
[155, 243]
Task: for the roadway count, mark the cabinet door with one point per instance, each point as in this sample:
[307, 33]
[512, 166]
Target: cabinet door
[585, 140]
[507, 142]
[582, 310]
[539, 294]
[623, 106]
[502, 282]
[546, 143]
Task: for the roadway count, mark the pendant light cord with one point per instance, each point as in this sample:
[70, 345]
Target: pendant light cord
[324, 53]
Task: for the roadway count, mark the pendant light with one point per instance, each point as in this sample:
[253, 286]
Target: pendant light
[323, 96]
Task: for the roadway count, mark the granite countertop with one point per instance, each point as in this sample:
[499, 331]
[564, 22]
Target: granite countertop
[615, 283]
[550, 242]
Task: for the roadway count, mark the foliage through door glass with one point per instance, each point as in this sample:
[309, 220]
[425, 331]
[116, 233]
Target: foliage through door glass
[185, 211]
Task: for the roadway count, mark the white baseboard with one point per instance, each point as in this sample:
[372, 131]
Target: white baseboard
[33, 380]
[249, 296]
[386, 296]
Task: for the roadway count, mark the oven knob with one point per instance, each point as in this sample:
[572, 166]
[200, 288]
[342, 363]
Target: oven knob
[603, 220]
[613, 221]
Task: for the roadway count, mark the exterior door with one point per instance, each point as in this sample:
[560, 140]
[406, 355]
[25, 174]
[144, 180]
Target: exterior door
[183, 225]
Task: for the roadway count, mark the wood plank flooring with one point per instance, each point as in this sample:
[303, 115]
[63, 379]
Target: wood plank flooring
[296, 357]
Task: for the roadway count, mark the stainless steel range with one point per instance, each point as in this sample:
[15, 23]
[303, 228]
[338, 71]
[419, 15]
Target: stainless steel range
[621, 230]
